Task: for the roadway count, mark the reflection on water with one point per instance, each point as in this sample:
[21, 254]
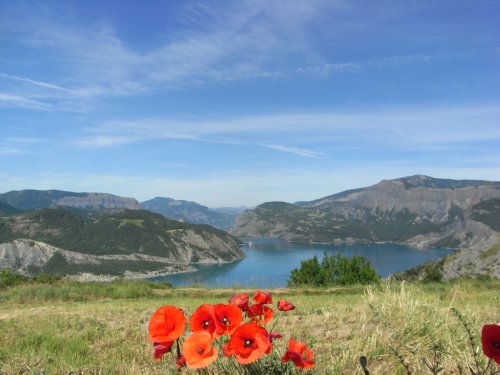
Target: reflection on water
[268, 263]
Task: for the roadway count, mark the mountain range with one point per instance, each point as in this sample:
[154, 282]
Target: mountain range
[417, 210]
[91, 203]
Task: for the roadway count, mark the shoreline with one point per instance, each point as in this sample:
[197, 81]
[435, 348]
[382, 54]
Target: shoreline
[129, 275]
[415, 245]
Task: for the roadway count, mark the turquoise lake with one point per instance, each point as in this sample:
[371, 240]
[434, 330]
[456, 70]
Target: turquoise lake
[268, 262]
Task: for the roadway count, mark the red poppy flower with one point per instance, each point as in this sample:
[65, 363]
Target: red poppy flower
[300, 354]
[160, 348]
[248, 343]
[240, 300]
[167, 324]
[274, 335]
[260, 314]
[227, 318]
[180, 362]
[284, 305]
[262, 297]
[197, 350]
[203, 319]
[490, 338]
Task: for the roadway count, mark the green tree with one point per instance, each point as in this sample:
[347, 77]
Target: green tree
[308, 273]
[334, 270]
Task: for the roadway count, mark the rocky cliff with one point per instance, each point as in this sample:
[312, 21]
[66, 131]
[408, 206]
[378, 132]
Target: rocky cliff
[37, 199]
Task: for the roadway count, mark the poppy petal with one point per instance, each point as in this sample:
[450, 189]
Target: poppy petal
[160, 348]
[284, 305]
[490, 339]
[203, 319]
[166, 324]
[227, 318]
[262, 297]
[197, 350]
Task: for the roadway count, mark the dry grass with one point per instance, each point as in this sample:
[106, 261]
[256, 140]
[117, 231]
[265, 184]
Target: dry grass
[105, 335]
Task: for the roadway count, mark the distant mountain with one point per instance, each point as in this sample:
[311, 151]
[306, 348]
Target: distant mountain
[7, 209]
[37, 199]
[59, 241]
[417, 210]
[192, 212]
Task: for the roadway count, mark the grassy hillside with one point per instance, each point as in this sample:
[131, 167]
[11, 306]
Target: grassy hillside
[102, 328]
[121, 232]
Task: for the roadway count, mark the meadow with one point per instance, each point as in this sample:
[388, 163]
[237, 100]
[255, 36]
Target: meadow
[101, 328]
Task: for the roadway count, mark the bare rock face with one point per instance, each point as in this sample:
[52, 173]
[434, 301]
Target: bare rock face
[20, 255]
[475, 261]
[38, 199]
[97, 201]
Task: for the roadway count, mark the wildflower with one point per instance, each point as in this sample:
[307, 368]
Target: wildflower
[284, 305]
[166, 325]
[197, 350]
[490, 338]
[273, 335]
[248, 343]
[300, 354]
[180, 362]
[227, 318]
[203, 319]
[260, 314]
[262, 297]
[160, 348]
[240, 300]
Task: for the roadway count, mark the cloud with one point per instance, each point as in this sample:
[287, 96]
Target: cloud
[8, 100]
[233, 41]
[405, 128]
[242, 40]
[218, 42]
[295, 150]
[36, 83]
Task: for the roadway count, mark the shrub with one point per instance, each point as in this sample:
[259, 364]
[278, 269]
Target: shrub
[334, 270]
[9, 278]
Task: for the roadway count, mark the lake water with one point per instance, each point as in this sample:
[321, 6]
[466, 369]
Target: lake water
[268, 263]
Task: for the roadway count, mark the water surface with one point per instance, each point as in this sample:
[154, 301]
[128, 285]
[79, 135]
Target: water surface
[268, 262]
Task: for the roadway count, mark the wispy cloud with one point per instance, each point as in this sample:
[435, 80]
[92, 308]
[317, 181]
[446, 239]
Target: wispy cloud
[295, 150]
[36, 83]
[238, 41]
[403, 128]
[235, 41]
[8, 100]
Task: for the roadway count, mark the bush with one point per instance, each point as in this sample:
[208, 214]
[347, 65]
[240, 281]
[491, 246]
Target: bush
[9, 278]
[334, 270]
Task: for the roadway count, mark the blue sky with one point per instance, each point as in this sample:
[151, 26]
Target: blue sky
[232, 103]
